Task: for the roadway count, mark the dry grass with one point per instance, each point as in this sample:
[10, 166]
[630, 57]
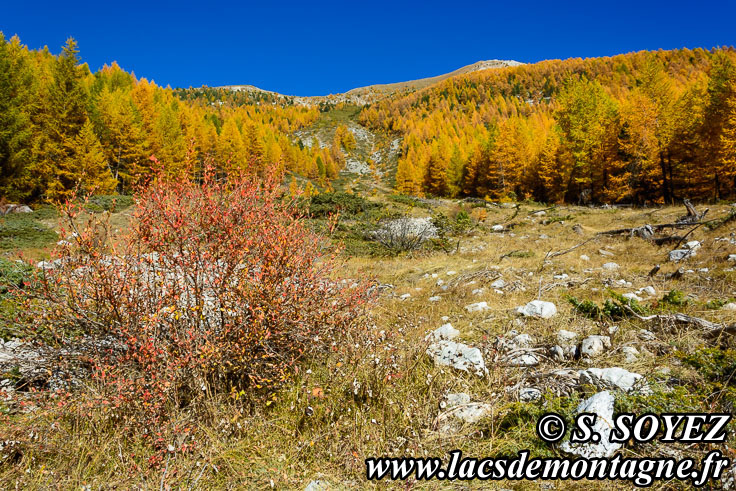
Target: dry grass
[386, 399]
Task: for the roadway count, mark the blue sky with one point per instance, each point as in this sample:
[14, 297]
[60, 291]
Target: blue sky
[316, 48]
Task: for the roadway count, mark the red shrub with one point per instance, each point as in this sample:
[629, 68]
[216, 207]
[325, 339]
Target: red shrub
[217, 286]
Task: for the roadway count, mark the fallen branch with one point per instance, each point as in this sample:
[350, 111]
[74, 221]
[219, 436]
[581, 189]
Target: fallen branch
[655, 228]
[712, 329]
[560, 253]
[670, 239]
[685, 236]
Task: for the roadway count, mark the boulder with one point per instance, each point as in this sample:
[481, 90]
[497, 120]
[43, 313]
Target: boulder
[523, 360]
[557, 353]
[458, 356]
[680, 254]
[459, 406]
[538, 308]
[566, 338]
[530, 394]
[612, 378]
[471, 412]
[457, 399]
[600, 404]
[593, 346]
[13, 208]
[445, 331]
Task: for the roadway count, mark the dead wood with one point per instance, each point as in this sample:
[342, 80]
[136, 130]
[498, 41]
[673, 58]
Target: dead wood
[712, 329]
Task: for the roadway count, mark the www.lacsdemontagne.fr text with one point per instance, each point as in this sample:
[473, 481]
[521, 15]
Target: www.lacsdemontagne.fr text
[638, 471]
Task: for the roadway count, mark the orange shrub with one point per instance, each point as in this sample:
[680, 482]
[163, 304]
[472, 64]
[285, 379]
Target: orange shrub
[217, 287]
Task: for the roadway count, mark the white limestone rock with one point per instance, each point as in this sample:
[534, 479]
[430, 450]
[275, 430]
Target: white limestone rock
[538, 308]
[477, 307]
[631, 354]
[530, 394]
[445, 331]
[613, 378]
[593, 346]
[600, 404]
[458, 356]
[680, 254]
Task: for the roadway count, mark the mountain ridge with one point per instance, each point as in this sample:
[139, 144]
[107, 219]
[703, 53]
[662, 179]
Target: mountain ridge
[370, 93]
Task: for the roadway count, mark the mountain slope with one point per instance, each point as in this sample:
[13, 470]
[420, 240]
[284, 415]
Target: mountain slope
[372, 93]
[386, 89]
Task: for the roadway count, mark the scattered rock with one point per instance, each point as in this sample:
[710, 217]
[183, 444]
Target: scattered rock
[732, 258]
[605, 253]
[457, 355]
[632, 296]
[499, 283]
[595, 345]
[318, 485]
[649, 290]
[631, 353]
[647, 335]
[477, 307]
[730, 306]
[523, 360]
[557, 353]
[445, 331]
[49, 264]
[12, 208]
[583, 257]
[436, 298]
[600, 404]
[399, 230]
[680, 254]
[497, 228]
[612, 378]
[522, 341]
[693, 245]
[405, 296]
[565, 337]
[469, 412]
[538, 308]
[610, 266]
[530, 394]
